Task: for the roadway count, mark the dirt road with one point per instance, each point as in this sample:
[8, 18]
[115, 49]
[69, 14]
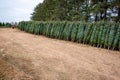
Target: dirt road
[24, 56]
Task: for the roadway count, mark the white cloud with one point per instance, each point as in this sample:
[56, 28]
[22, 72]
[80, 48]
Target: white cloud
[17, 10]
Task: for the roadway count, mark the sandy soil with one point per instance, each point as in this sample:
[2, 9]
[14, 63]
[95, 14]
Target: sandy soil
[24, 56]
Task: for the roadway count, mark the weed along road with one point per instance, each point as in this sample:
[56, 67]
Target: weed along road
[24, 56]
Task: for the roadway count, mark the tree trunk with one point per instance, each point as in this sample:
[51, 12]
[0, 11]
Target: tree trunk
[96, 18]
[119, 14]
[105, 14]
[101, 17]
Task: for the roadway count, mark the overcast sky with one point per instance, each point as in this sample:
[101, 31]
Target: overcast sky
[17, 10]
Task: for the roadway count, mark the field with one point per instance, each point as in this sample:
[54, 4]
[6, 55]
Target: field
[24, 56]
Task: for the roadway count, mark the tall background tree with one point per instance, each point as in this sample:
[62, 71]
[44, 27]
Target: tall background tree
[77, 10]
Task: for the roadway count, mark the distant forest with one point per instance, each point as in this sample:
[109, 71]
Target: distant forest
[77, 10]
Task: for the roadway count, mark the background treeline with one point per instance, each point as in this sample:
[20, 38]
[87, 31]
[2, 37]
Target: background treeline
[3, 24]
[77, 10]
[99, 34]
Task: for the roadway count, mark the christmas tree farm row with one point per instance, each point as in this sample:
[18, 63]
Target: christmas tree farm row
[100, 34]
